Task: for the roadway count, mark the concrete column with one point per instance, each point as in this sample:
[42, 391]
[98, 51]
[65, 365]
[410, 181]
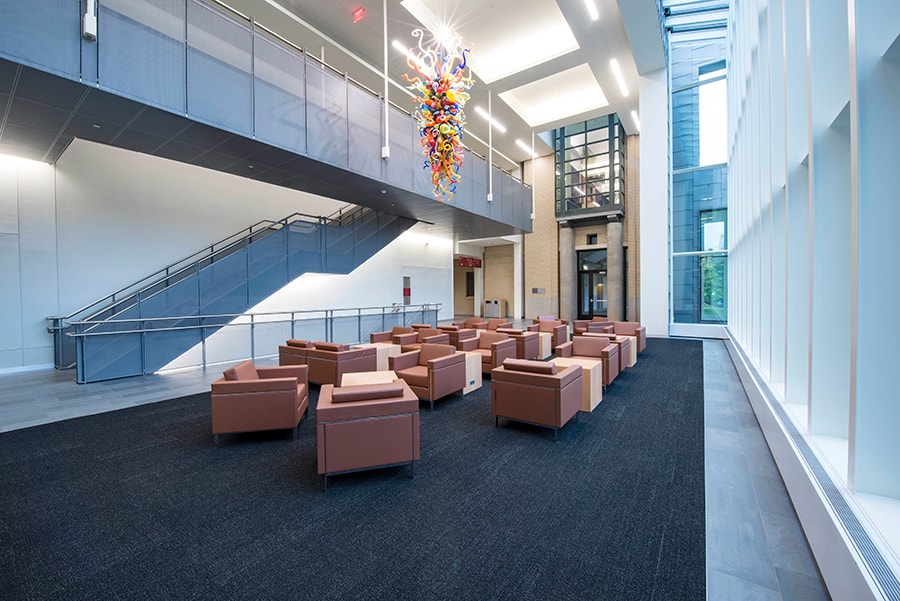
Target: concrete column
[567, 271]
[615, 270]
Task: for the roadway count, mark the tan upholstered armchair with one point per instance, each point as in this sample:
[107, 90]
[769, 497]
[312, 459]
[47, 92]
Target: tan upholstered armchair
[250, 399]
[541, 318]
[293, 352]
[528, 344]
[458, 334]
[622, 342]
[433, 372]
[594, 346]
[475, 323]
[632, 328]
[389, 336]
[599, 325]
[329, 361]
[414, 340]
[366, 426]
[558, 329]
[494, 348]
[536, 393]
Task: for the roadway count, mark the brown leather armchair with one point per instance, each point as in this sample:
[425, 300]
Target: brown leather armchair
[495, 323]
[599, 325]
[541, 318]
[458, 334]
[476, 323]
[365, 427]
[528, 344]
[389, 336]
[414, 340]
[632, 328]
[559, 330]
[622, 342]
[293, 352]
[432, 372]
[594, 346]
[536, 393]
[494, 348]
[329, 361]
[250, 399]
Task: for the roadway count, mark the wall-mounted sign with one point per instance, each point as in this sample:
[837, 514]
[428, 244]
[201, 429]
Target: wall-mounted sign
[469, 262]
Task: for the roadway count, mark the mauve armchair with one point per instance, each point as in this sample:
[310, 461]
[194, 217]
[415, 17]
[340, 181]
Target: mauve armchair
[599, 325]
[476, 323]
[558, 329]
[528, 344]
[457, 334]
[293, 352]
[390, 336]
[494, 348]
[535, 392]
[415, 339]
[366, 427]
[433, 371]
[251, 399]
[495, 323]
[594, 347]
[632, 328]
[329, 361]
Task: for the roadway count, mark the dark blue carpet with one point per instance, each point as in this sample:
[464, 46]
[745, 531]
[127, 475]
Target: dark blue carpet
[139, 504]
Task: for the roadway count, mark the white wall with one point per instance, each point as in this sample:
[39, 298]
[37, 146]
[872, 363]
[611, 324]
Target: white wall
[28, 269]
[654, 206]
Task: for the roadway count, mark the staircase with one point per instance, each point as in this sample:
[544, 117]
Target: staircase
[144, 326]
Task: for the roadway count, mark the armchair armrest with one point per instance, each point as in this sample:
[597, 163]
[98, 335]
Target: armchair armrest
[300, 372]
[437, 339]
[380, 337]
[534, 327]
[564, 349]
[469, 344]
[446, 361]
[268, 385]
[404, 360]
[409, 338]
[501, 345]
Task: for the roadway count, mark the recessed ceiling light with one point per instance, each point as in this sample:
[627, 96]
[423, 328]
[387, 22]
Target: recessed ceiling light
[490, 119]
[95, 125]
[620, 79]
[592, 9]
[637, 122]
[570, 92]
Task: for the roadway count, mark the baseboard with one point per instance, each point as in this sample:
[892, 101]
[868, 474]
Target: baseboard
[26, 369]
[850, 562]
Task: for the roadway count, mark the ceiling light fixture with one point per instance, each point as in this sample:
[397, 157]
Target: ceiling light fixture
[592, 9]
[490, 119]
[617, 72]
[526, 148]
[637, 122]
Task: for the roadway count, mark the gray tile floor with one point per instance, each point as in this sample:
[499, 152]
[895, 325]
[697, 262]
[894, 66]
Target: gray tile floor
[755, 547]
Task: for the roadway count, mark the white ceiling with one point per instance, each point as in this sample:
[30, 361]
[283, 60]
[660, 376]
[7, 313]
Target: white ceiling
[524, 55]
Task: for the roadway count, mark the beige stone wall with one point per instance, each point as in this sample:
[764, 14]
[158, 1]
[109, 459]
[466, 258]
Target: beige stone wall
[632, 225]
[462, 304]
[499, 280]
[542, 245]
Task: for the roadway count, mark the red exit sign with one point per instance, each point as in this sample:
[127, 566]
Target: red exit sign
[469, 262]
[358, 14]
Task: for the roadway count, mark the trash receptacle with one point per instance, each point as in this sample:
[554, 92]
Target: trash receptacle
[492, 308]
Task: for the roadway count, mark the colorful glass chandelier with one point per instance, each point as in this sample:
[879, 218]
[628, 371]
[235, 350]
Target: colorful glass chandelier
[440, 93]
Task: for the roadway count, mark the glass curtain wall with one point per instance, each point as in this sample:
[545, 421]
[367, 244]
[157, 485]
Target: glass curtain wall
[699, 178]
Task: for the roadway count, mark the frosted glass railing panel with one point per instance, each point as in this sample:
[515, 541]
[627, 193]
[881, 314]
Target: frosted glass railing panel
[232, 343]
[160, 347]
[326, 112]
[304, 249]
[338, 249]
[405, 150]
[365, 113]
[279, 102]
[111, 356]
[346, 329]
[267, 265]
[365, 235]
[39, 32]
[179, 299]
[267, 336]
[223, 285]
[148, 33]
[219, 66]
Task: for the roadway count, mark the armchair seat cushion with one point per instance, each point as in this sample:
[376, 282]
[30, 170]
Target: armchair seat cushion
[417, 375]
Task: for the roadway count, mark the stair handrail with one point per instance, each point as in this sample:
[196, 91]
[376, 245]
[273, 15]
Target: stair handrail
[186, 262]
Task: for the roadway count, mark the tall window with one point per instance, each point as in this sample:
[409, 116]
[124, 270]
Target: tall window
[699, 219]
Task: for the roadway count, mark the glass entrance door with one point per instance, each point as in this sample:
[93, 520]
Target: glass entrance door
[591, 294]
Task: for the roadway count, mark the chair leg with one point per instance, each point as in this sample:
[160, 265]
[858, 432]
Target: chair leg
[216, 439]
[555, 434]
[325, 484]
[412, 470]
[496, 421]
